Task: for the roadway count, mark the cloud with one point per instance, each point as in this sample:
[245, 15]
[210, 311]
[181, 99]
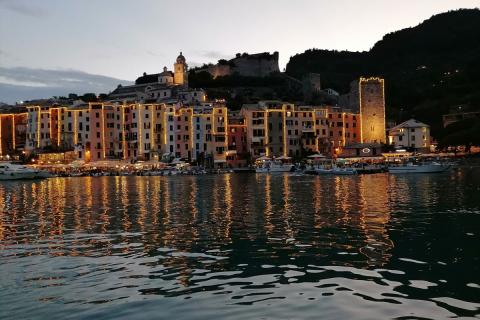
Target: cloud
[155, 54]
[26, 9]
[211, 54]
[27, 83]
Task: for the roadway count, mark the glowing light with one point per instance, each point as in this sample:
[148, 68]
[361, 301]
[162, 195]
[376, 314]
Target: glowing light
[267, 151]
[284, 116]
[225, 134]
[50, 123]
[191, 132]
[360, 103]
[124, 137]
[1, 149]
[315, 129]
[13, 132]
[140, 146]
[103, 131]
[152, 125]
[75, 127]
[59, 124]
[38, 126]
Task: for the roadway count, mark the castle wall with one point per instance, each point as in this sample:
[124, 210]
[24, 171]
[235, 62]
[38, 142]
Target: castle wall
[256, 65]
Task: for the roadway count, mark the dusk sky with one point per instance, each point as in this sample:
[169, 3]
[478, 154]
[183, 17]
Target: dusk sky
[122, 39]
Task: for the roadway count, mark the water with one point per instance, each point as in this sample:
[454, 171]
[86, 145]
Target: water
[242, 246]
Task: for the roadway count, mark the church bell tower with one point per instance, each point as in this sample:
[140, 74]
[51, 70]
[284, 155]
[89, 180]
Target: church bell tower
[180, 69]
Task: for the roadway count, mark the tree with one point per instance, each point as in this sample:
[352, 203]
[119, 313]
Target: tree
[89, 97]
[462, 133]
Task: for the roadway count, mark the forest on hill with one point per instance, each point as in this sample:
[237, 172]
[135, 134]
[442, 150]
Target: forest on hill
[428, 69]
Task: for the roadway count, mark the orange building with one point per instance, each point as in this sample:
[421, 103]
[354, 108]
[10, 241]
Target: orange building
[12, 133]
[344, 129]
[237, 153]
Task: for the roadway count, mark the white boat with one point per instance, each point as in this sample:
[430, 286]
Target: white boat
[10, 171]
[329, 168]
[410, 167]
[267, 166]
[343, 171]
[323, 170]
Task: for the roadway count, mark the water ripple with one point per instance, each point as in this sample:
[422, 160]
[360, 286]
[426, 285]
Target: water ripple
[241, 247]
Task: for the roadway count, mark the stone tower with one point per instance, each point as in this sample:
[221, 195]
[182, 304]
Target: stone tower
[180, 69]
[371, 95]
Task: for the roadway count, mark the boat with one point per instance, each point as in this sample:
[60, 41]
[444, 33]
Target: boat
[267, 166]
[243, 169]
[343, 171]
[369, 169]
[421, 167]
[9, 171]
[323, 170]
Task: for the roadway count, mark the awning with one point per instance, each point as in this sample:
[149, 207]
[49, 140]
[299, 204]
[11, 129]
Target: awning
[263, 158]
[315, 156]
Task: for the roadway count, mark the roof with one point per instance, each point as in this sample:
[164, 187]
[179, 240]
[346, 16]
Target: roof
[412, 123]
[166, 73]
[139, 88]
[147, 78]
[254, 107]
[181, 58]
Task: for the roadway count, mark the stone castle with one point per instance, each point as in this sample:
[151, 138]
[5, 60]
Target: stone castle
[251, 65]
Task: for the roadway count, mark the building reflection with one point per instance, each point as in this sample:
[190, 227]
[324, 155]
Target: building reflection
[184, 223]
[374, 214]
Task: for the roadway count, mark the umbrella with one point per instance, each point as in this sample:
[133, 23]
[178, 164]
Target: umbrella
[263, 158]
[316, 156]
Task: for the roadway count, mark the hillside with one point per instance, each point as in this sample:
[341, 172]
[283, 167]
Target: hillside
[428, 68]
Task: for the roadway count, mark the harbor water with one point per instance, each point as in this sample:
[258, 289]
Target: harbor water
[242, 246]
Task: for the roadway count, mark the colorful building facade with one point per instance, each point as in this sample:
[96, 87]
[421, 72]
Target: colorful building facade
[206, 133]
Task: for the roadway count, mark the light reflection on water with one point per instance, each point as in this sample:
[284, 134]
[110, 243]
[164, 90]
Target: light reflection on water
[367, 247]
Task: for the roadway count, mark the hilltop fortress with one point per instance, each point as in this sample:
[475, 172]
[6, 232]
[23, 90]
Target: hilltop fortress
[251, 65]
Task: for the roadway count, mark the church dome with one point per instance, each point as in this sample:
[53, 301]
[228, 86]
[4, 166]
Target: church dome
[181, 58]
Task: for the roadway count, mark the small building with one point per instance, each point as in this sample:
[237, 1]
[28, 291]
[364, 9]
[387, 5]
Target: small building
[356, 150]
[411, 134]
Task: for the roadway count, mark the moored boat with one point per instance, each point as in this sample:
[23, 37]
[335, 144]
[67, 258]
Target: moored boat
[267, 165]
[9, 171]
[421, 167]
[243, 169]
[274, 166]
[343, 171]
